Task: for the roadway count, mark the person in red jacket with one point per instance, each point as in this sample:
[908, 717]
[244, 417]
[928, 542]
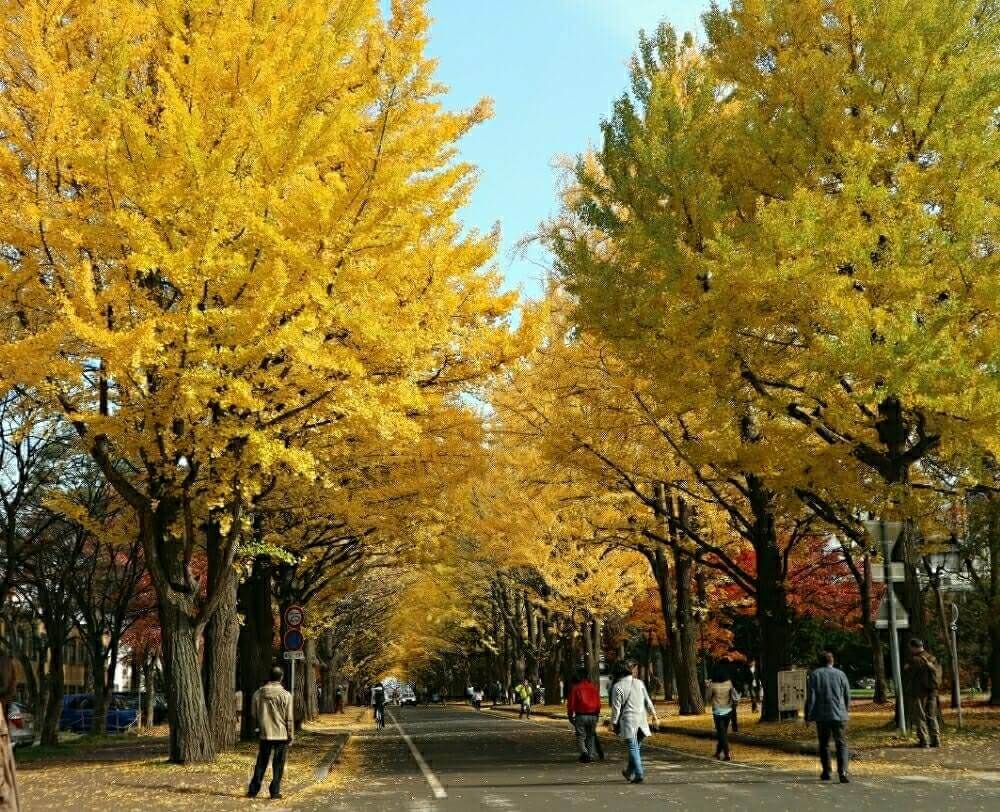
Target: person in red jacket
[583, 706]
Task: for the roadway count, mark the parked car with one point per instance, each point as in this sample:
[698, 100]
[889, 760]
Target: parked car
[159, 705]
[21, 725]
[866, 683]
[78, 713]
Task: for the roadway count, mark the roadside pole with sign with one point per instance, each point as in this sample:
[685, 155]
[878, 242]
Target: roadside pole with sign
[954, 660]
[294, 640]
[888, 534]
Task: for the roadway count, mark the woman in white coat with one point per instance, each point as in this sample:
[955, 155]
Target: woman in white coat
[630, 704]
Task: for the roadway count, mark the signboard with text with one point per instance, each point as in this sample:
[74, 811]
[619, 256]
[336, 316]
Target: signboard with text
[792, 690]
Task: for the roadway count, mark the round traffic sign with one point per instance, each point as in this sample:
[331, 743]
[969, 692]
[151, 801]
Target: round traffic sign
[294, 616]
[294, 641]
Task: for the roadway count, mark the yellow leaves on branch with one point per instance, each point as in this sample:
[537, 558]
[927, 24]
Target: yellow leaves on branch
[229, 238]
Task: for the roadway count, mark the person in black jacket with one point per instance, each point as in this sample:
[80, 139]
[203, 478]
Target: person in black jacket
[828, 703]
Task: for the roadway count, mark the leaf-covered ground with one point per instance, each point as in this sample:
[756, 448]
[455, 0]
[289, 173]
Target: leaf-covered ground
[114, 773]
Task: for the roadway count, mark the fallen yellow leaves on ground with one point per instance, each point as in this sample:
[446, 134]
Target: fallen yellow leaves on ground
[82, 781]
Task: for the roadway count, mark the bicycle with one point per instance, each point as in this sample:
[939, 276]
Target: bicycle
[379, 718]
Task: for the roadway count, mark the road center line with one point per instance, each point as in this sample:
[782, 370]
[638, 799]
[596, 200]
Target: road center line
[432, 779]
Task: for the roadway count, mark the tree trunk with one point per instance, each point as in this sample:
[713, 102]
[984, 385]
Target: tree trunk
[56, 687]
[256, 638]
[149, 691]
[330, 672]
[669, 678]
[993, 662]
[689, 692]
[773, 616]
[552, 673]
[219, 671]
[191, 740]
[309, 681]
[99, 721]
[880, 696]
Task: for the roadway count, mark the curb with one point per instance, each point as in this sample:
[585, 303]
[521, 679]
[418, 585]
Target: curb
[322, 771]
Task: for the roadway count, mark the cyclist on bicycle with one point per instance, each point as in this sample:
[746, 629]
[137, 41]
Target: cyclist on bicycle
[378, 703]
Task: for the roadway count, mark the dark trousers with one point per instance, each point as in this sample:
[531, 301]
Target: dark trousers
[722, 733]
[925, 711]
[586, 735]
[836, 729]
[279, 749]
[338, 704]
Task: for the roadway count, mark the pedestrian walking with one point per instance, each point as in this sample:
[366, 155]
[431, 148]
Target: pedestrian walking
[721, 694]
[523, 693]
[828, 702]
[923, 675]
[583, 707]
[630, 710]
[477, 698]
[754, 687]
[338, 699]
[378, 704]
[272, 713]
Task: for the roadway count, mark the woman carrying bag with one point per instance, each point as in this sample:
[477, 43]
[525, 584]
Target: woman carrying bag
[630, 704]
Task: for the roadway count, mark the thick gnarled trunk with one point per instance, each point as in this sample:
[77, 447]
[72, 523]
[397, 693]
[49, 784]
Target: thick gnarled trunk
[190, 737]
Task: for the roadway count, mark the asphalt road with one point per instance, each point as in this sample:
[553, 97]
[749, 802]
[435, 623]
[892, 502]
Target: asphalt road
[442, 759]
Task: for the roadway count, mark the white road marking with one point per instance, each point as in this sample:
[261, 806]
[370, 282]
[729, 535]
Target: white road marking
[432, 779]
[497, 802]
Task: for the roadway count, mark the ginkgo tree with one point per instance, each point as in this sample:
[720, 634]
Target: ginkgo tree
[229, 229]
[784, 234]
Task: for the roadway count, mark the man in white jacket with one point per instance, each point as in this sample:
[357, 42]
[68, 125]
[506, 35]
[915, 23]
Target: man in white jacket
[630, 704]
[272, 711]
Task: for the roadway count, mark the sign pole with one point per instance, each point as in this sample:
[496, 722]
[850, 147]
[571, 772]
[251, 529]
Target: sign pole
[897, 674]
[954, 661]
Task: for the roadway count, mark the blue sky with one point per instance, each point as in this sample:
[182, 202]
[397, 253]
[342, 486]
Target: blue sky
[553, 68]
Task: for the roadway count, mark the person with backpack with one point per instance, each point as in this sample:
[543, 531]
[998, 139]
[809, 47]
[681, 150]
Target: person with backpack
[924, 678]
[378, 704]
[630, 704]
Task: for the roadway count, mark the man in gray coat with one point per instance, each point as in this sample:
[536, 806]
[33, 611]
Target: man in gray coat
[828, 702]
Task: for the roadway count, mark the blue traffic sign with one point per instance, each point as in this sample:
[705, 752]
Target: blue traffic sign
[294, 641]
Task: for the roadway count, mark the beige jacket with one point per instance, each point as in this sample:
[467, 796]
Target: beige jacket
[272, 711]
[721, 695]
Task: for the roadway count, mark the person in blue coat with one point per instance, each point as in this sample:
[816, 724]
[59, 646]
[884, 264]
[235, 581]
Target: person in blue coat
[828, 703]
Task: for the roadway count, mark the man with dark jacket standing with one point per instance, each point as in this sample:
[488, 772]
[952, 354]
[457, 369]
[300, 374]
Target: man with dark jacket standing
[924, 679]
[583, 706]
[272, 711]
[828, 702]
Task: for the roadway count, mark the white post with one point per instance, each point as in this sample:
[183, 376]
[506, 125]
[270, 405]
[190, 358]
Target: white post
[954, 661]
[293, 690]
[897, 674]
